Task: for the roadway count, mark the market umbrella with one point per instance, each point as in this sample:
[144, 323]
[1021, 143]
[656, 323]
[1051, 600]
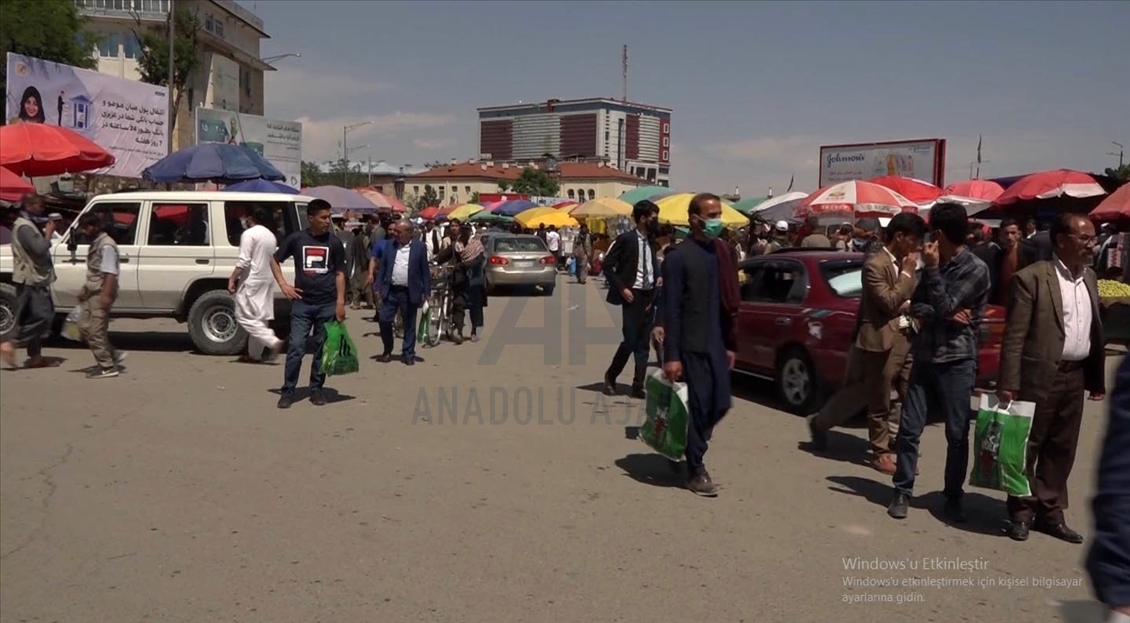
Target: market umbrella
[378, 198]
[673, 211]
[634, 196]
[38, 149]
[12, 186]
[605, 207]
[1115, 207]
[259, 186]
[537, 217]
[984, 190]
[565, 205]
[1051, 185]
[782, 208]
[745, 206]
[429, 213]
[489, 217]
[918, 191]
[342, 199]
[855, 198]
[212, 162]
[465, 211]
[513, 208]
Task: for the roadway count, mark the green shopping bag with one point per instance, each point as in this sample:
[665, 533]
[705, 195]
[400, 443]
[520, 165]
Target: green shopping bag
[665, 430]
[424, 325]
[1001, 446]
[339, 355]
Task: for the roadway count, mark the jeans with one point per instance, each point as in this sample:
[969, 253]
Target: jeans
[638, 317]
[475, 307]
[944, 388]
[397, 300]
[305, 318]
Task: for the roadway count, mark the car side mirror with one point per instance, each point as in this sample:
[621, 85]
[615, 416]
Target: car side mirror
[72, 241]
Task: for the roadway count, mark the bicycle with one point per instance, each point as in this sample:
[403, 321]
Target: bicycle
[438, 306]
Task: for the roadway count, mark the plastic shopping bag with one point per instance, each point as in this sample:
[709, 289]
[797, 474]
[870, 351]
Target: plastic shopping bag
[424, 325]
[339, 356]
[571, 265]
[665, 430]
[1001, 446]
[70, 325]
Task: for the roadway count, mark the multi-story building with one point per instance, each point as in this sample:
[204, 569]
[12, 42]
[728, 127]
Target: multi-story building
[634, 138]
[455, 183]
[231, 73]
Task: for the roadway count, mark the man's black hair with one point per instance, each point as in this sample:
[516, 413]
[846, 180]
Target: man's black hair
[951, 220]
[262, 216]
[1062, 225]
[1008, 222]
[909, 223]
[91, 219]
[695, 206]
[643, 209]
[316, 206]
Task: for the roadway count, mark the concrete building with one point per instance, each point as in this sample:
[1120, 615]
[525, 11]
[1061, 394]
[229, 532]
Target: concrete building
[634, 138]
[580, 181]
[231, 74]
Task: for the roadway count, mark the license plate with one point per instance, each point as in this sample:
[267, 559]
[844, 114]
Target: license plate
[524, 263]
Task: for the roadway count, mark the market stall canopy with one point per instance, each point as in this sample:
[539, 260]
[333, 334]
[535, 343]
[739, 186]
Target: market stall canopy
[212, 162]
[1115, 207]
[12, 186]
[985, 190]
[918, 191]
[428, 213]
[38, 149]
[537, 217]
[489, 217]
[634, 196]
[342, 199]
[673, 211]
[855, 199]
[260, 186]
[465, 211]
[565, 205]
[781, 208]
[1051, 185]
[513, 208]
[745, 206]
[605, 207]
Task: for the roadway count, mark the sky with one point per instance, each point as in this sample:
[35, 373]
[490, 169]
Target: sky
[756, 87]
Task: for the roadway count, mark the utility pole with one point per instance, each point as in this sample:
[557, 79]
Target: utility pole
[172, 72]
[1119, 154]
[345, 150]
[624, 72]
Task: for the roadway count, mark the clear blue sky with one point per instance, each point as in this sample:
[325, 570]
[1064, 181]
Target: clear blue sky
[756, 87]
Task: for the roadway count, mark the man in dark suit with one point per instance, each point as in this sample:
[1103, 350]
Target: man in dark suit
[1108, 563]
[404, 281]
[1051, 352]
[632, 271]
[1005, 258]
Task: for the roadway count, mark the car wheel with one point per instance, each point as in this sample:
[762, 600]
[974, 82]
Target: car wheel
[212, 325]
[547, 290]
[7, 308]
[797, 385]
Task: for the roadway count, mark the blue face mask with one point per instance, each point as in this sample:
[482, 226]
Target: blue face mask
[712, 227]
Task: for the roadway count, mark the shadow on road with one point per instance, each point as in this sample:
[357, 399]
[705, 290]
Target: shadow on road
[141, 341]
[302, 393]
[651, 469]
[841, 447]
[983, 512]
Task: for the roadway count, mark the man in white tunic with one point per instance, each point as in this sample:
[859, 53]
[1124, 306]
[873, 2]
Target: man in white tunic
[252, 283]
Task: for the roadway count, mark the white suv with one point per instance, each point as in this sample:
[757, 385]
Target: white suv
[177, 250]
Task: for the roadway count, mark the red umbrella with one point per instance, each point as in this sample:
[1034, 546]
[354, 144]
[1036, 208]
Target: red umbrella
[12, 186]
[855, 198]
[565, 205]
[37, 149]
[916, 190]
[429, 213]
[974, 189]
[1115, 207]
[1051, 185]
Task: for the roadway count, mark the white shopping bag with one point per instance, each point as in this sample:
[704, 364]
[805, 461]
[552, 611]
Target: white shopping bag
[70, 325]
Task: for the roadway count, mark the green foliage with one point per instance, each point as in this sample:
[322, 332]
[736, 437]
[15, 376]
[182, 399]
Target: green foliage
[536, 183]
[412, 202]
[52, 30]
[311, 174]
[1122, 173]
[153, 62]
[503, 187]
[428, 198]
[346, 176]
[474, 197]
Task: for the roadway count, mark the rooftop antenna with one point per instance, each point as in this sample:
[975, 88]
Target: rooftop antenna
[624, 70]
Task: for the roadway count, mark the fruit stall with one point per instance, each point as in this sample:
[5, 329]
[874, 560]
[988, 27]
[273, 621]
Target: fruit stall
[1114, 302]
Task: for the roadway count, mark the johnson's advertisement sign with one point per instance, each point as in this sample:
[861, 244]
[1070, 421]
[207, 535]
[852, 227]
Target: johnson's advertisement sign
[921, 159]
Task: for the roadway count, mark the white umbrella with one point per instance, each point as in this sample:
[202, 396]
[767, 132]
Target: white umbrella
[783, 207]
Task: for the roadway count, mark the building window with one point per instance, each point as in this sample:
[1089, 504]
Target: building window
[108, 46]
[454, 190]
[467, 190]
[209, 22]
[666, 128]
[592, 194]
[572, 195]
[245, 80]
[219, 31]
[606, 136]
[666, 155]
[666, 141]
[416, 190]
[441, 194]
[131, 46]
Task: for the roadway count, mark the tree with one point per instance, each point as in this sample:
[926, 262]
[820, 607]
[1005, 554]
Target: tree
[344, 175]
[1122, 172]
[428, 198]
[52, 30]
[153, 62]
[536, 183]
[503, 187]
[474, 197]
[311, 174]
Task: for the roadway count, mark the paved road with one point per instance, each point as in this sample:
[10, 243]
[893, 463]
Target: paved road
[178, 492]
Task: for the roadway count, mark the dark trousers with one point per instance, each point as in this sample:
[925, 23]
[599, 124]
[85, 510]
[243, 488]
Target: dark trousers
[34, 314]
[1051, 448]
[304, 319]
[637, 319]
[944, 389]
[397, 300]
[458, 305]
[706, 410]
[475, 306]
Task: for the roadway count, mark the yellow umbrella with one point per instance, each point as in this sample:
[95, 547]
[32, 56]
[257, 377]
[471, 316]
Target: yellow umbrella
[537, 217]
[673, 211]
[605, 207]
[465, 211]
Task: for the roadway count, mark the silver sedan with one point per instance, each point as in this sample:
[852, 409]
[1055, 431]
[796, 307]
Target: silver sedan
[519, 260]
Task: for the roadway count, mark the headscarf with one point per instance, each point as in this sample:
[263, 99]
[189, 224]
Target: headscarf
[469, 250]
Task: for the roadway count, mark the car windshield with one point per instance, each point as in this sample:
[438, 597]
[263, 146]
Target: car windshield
[845, 279]
[519, 245]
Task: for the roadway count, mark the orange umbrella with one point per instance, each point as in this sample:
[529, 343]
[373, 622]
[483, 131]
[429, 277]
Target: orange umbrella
[12, 186]
[37, 149]
[1115, 207]
[429, 213]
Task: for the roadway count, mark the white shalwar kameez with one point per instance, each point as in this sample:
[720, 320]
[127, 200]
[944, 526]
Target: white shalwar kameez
[255, 296]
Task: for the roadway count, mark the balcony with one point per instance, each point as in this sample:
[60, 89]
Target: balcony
[146, 10]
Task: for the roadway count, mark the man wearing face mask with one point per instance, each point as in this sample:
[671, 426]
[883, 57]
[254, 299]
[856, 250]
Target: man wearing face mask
[253, 285]
[632, 271]
[700, 304]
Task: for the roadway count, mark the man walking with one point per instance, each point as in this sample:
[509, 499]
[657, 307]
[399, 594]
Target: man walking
[255, 295]
[317, 296]
[553, 241]
[631, 269]
[32, 274]
[701, 300]
[878, 360]
[1005, 258]
[582, 250]
[96, 299]
[1051, 352]
[404, 280]
[948, 305]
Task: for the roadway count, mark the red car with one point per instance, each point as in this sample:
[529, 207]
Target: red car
[797, 318]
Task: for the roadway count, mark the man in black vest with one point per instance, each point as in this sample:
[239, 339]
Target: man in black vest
[632, 271]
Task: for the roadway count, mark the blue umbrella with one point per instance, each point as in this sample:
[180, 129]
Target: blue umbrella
[213, 162]
[342, 199]
[260, 186]
[513, 208]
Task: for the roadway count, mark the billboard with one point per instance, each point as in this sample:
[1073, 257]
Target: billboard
[280, 142]
[124, 117]
[923, 159]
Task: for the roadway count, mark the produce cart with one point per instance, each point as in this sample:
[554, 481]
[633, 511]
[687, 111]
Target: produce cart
[1114, 303]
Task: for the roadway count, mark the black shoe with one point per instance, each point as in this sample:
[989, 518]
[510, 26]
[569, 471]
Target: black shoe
[609, 388]
[409, 361]
[317, 398]
[819, 437]
[899, 507]
[953, 511]
[385, 358]
[702, 485]
[637, 392]
[285, 400]
[457, 339]
[1060, 531]
[1018, 530]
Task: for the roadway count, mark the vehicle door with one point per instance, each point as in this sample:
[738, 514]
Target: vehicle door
[177, 250]
[749, 274]
[229, 229]
[777, 307]
[123, 218]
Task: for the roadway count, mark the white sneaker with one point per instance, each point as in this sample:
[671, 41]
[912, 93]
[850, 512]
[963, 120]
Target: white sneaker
[119, 357]
[102, 373]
